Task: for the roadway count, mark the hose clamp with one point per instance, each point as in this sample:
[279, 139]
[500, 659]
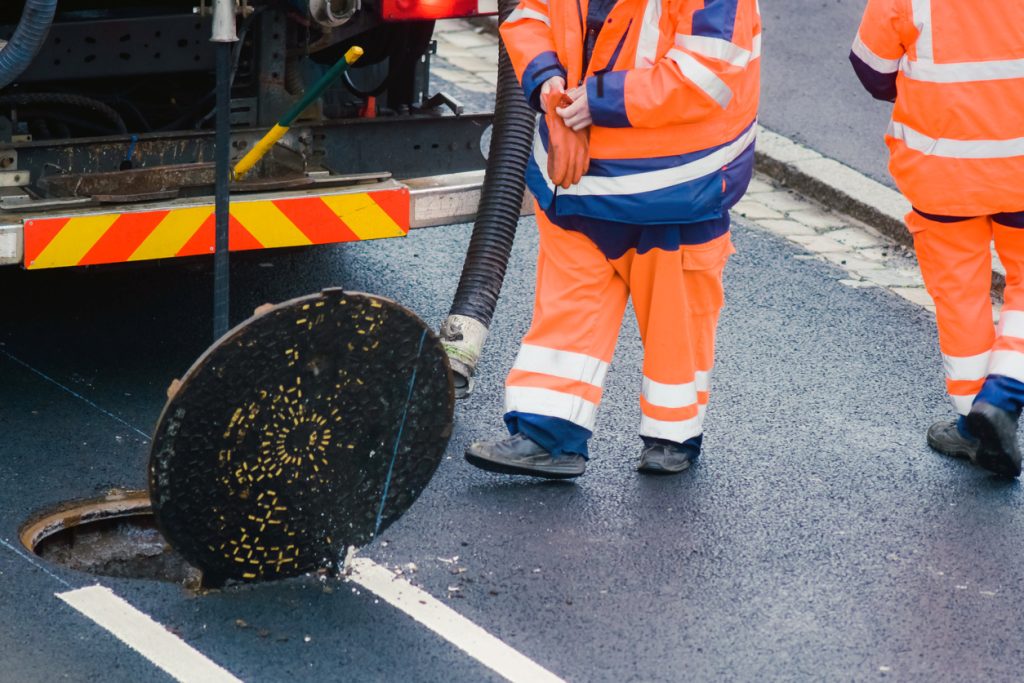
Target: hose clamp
[463, 340]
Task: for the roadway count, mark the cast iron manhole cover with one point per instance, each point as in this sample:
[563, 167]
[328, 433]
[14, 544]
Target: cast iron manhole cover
[303, 431]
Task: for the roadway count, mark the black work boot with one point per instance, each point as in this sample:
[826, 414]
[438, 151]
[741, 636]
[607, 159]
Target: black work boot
[659, 457]
[996, 430]
[519, 455]
[946, 438]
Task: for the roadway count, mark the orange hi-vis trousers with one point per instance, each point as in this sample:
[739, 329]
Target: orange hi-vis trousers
[581, 296]
[980, 359]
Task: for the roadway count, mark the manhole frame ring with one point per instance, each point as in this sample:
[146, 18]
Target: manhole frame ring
[78, 513]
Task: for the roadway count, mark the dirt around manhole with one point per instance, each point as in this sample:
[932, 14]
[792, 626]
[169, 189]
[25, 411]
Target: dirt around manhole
[111, 536]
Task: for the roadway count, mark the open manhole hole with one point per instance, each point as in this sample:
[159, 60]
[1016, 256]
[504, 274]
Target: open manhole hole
[111, 536]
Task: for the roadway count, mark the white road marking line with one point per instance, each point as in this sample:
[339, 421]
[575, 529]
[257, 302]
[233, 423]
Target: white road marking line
[449, 624]
[145, 636]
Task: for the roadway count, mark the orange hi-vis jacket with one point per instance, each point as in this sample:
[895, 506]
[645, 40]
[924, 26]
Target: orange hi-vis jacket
[956, 71]
[673, 91]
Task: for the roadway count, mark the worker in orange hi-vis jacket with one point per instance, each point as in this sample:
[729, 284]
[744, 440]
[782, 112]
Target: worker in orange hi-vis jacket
[647, 140]
[956, 73]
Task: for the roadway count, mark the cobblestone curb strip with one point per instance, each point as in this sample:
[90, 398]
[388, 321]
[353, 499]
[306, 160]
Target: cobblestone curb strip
[869, 258]
[833, 184]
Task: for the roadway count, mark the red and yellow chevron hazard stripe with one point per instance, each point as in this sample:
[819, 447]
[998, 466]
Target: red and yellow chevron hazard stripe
[80, 240]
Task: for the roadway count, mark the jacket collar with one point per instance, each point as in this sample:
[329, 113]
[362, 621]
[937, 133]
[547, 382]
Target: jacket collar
[615, 42]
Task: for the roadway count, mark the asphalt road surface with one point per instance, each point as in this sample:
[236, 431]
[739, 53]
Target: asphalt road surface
[818, 538]
[809, 92]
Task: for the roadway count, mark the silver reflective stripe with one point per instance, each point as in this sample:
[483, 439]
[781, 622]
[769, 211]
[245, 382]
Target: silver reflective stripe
[649, 181]
[551, 403]
[519, 14]
[701, 76]
[962, 404]
[677, 431]
[1011, 324]
[879, 64]
[963, 72]
[956, 149]
[966, 367]
[924, 68]
[566, 364]
[922, 19]
[540, 157]
[650, 32]
[720, 49]
[703, 380]
[669, 395]
[1008, 364]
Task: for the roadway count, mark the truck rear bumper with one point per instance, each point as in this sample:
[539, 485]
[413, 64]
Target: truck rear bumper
[129, 233]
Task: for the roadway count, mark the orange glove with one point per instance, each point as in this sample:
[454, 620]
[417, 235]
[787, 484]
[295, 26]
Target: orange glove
[568, 149]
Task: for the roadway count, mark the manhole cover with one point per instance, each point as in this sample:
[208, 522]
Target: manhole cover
[305, 430]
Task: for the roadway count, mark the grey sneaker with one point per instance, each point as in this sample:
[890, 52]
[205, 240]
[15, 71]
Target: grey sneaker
[663, 458]
[997, 433]
[944, 437]
[519, 455]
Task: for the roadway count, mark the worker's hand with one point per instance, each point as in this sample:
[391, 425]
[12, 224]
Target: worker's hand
[568, 150]
[555, 84]
[577, 114]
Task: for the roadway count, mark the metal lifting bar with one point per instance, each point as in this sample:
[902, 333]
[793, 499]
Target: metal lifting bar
[224, 35]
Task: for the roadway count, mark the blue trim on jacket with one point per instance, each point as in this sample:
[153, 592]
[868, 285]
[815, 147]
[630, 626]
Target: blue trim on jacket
[882, 86]
[701, 199]
[716, 20]
[697, 200]
[541, 68]
[606, 95]
[535, 179]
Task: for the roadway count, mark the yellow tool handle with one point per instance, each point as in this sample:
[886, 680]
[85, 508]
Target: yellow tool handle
[258, 151]
[261, 148]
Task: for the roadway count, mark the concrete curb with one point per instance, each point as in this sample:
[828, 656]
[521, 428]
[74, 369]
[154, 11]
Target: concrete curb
[842, 189]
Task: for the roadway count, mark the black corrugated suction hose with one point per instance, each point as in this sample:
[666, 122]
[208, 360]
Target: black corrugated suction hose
[483, 271]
